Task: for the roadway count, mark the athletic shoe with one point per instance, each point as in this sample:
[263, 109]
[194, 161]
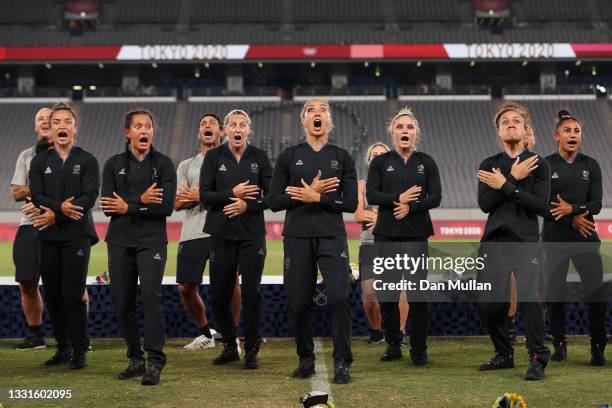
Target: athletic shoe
[392, 352]
[376, 336]
[597, 354]
[404, 341]
[89, 349]
[498, 362]
[306, 369]
[201, 342]
[238, 346]
[341, 373]
[79, 361]
[419, 358]
[230, 353]
[535, 371]
[135, 368]
[31, 343]
[151, 375]
[560, 352]
[250, 359]
[60, 357]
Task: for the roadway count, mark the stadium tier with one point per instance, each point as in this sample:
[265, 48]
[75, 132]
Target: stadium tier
[458, 134]
[297, 22]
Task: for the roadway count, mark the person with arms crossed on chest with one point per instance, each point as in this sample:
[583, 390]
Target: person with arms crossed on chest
[138, 192]
[234, 183]
[513, 188]
[569, 233]
[27, 266]
[405, 184]
[64, 183]
[315, 182]
[194, 243]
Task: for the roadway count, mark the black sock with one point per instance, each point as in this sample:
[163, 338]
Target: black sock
[206, 331]
[37, 331]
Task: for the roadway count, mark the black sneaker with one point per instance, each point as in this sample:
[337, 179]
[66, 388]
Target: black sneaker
[376, 336]
[306, 369]
[79, 361]
[31, 343]
[151, 375]
[560, 352]
[498, 362]
[229, 354]
[404, 341]
[392, 352]
[60, 357]
[135, 368]
[419, 358]
[341, 373]
[250, 359]
[597, 354]
[535, 371]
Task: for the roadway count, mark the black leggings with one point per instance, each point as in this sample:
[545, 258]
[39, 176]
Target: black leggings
[226, 257]
[63, 268]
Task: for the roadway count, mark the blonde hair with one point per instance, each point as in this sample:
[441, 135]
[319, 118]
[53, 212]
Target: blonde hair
[236, 112]
[329, 116]
[372, 147]
[405, 111]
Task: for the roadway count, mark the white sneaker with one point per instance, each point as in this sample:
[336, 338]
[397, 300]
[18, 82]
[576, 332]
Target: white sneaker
[238, 345]
[201, 342]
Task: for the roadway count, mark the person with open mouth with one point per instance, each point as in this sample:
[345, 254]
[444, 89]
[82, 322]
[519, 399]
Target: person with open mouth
[194, 243]
[405, 184]
[513, 189]
[138, 192]
[234, 184]
[27, 267]
[315, 182]
[64, 183]
[569, 233]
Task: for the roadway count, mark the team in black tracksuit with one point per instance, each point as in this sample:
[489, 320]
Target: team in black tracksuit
[314, 234]
[137, 242]
[237, 242]
[389, 176]
[579, 183]
[512, 218]
[65, 246]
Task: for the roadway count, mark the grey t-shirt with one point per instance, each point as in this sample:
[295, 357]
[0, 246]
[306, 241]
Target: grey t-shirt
[20, 177]
[188, 174]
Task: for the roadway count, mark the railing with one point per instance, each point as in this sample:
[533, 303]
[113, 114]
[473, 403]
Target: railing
[436, 90]
[347, 91]
[36, 93]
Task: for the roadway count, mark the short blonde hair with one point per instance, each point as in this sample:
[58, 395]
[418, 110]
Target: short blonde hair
[405, 111]
[236, 112]
[303, 112]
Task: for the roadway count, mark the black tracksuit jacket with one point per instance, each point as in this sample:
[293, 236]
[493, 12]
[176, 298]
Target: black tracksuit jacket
[220, 173]
[323, 219]
[52, 181]
[142, 225]
[513, 210]
[388, 177]
[578, 183]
